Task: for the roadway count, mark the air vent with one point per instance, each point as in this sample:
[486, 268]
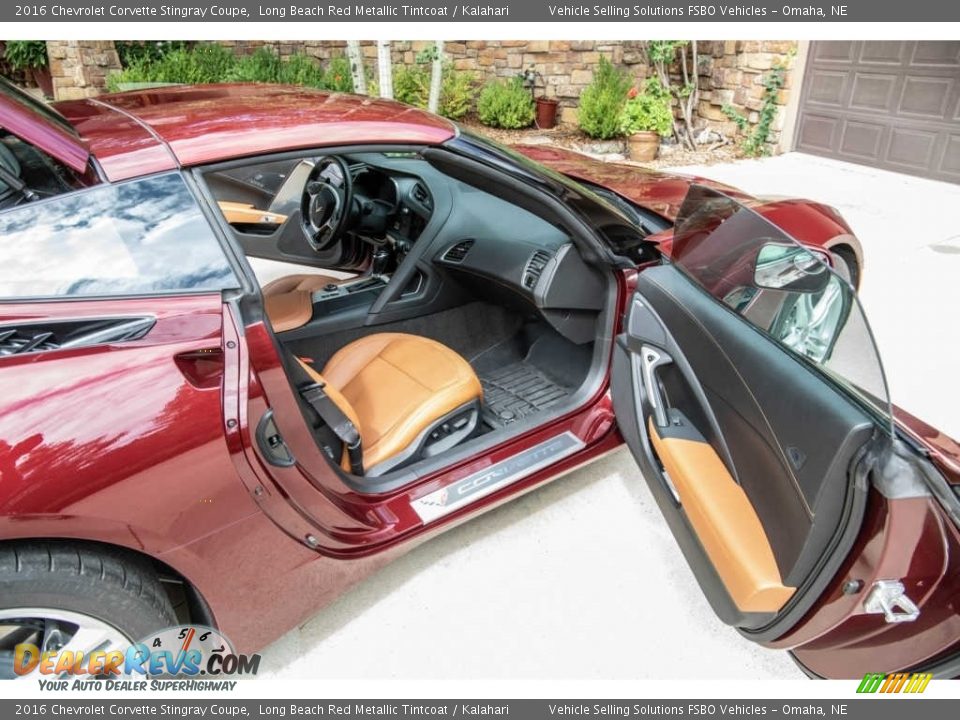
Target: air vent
[534, 269]
[421, 195]
[458, 252]
[14, 342]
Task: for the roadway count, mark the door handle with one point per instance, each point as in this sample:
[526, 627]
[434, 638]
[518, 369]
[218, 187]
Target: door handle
[652, 359]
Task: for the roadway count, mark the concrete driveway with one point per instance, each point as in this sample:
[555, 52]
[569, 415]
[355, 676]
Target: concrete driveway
[582, 579]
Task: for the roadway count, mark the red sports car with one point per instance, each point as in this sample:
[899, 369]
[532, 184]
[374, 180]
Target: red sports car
[458, 324]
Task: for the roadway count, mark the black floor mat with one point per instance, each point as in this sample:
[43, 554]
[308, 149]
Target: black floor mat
[513, 392]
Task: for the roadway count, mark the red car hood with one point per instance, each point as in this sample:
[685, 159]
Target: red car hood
[663, 193]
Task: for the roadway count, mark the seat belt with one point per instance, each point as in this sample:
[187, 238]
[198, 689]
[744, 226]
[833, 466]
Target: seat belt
[338, 422]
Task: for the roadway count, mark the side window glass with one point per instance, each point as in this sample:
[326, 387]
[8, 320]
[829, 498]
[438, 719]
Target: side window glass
[141, 237]
[784, 289]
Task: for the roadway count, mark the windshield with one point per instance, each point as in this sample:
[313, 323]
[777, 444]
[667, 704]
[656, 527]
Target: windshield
[784, 289]
[618, 231]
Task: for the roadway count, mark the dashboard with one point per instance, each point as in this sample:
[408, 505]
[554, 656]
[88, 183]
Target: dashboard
[406, 199]
[466, 237]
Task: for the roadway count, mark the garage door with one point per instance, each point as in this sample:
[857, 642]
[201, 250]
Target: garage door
[893, 105]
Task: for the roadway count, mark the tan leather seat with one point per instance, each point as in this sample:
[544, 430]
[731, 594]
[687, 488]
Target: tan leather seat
[288, 300]
[394, 388]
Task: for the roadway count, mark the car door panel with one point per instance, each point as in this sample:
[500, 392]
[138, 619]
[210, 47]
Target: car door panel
[135, 406]
[722, 517]
[775, 431]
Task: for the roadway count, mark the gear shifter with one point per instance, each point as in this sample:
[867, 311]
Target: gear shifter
[380, 261]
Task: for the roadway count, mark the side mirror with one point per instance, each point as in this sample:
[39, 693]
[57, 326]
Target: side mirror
[791, 268]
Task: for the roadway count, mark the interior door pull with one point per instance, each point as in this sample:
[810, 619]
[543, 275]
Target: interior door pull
[653, 359]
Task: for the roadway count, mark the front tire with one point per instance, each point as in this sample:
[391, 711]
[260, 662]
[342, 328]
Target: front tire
[59, 595]
[845, 265]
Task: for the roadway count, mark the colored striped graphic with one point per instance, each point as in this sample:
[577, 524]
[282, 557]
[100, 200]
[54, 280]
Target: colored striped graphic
[894, 683]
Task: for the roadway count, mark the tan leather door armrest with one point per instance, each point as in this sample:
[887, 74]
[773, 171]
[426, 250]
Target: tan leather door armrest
[725, 523]
[244, 213]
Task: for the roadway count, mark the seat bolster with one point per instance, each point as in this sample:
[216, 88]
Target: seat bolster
[411, 427]
[341, 402]
[335, 395]
[445, 382]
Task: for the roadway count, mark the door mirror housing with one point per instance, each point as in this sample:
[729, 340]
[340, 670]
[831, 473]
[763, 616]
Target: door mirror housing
[787, 266]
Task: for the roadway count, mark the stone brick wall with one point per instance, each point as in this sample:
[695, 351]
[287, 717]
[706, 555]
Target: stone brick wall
[80, 67]
[731, 71]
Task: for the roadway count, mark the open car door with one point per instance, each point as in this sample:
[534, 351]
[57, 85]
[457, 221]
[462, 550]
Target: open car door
[747, 386]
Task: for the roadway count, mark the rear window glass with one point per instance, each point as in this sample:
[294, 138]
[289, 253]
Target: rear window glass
[142, 237]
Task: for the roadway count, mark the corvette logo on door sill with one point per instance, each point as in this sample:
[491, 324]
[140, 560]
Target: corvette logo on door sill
[480, 484]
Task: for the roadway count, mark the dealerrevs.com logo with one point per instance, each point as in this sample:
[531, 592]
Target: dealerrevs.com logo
[188, 657]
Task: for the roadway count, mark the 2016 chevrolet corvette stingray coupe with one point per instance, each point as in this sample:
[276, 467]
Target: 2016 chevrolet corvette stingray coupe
[188, 434]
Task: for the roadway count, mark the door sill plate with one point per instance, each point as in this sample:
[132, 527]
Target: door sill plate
[480, 484]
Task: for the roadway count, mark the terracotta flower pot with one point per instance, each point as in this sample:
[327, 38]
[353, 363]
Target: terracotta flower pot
[546, 113]
[644, 145]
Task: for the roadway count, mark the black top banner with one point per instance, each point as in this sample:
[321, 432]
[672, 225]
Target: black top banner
[418, 11]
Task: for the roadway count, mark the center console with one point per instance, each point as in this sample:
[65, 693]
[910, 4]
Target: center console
[363, 291]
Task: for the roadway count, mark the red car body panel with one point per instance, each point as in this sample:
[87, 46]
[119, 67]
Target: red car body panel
[212, 123]
[809, 222]
[94, 439]
[96, 442]
[662, 193]
[906, 538]
[123, 147]
[53, 138]
[944, 450]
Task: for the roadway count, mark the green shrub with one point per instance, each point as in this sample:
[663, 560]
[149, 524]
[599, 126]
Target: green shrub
[411, 85]
[25, 54]
[136, 72]
[339, 78]
[301, 70]
[262, 66]
[456, 93]
[204, 63]
[648, 110]
[505, 104]
[754, 143]
[602, 102]
[136, 51]
[211, 63]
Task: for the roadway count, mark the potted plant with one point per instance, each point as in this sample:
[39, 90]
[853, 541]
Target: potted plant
[545, 108]
[30, 56]
[646, 117]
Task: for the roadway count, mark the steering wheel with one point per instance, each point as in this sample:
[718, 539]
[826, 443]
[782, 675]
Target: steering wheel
[325, 205]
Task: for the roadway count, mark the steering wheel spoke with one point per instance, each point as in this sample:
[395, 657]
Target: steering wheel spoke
[325, 205]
